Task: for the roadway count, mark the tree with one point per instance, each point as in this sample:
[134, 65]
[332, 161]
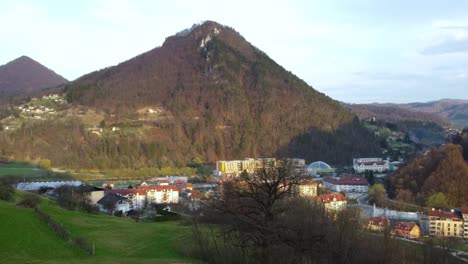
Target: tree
[254, 202]
[6, 192]
[44, 163]
[102, 124]
[377, 194]
[437, 200]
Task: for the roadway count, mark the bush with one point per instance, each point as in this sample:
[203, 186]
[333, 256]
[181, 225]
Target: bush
[6, 192]
[30, 200]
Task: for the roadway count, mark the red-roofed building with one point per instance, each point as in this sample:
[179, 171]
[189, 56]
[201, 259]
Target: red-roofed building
[333, 201]
[140, 196]
[444, 223]
[378, 223]
[347, 184]
[407, 230]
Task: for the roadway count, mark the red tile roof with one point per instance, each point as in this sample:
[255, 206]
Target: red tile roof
[378, 220]
[163, 188]
[443, 214]
[464, 210]
[327, 198]
[347, 180]
[405, 226]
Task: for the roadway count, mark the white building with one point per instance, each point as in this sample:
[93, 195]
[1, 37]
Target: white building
[332, 202]
[34, 186]
[141, 196]
[347, 184]
[361, 165]
[464, 212]
[112, 203]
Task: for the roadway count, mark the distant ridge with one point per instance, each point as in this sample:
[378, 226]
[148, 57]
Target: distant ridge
[441, 111]
[25, 76]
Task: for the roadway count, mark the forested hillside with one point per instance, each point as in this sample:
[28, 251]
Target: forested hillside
[24, 76]
[222, 98]
[442, 172]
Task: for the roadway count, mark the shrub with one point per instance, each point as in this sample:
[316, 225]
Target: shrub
[6, 192]
[30, 200]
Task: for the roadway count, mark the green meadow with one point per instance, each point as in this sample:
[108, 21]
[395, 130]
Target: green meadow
[25, 239]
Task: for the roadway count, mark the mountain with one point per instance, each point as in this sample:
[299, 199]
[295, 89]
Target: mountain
[206, 92]
[441, 112]
[24, 76]
[395, 113]
[454, 110]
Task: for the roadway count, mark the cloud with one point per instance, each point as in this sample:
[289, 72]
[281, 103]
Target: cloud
[447, 46]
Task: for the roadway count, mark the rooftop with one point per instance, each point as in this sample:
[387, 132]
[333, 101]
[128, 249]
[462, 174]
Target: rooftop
[443, 214]
[347, 180]
[333, 197]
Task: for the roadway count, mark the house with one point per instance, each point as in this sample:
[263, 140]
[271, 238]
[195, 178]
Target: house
[445, 223]
[306, 189]
[378, 223]
[95, 193]
[108, 185]
[162, 182]
[233, 168]
[407, 229]
[333, 201]
[347, 184]
[464, 212]
[112, 203]
[136, 198]
[362, 165]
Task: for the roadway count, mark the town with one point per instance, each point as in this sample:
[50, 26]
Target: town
[318, 182]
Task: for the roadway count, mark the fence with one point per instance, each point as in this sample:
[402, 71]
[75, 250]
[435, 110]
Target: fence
[79, 242]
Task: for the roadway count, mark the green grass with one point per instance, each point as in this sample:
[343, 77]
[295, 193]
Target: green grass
[25, 239]
[118, 240]
[20, 169]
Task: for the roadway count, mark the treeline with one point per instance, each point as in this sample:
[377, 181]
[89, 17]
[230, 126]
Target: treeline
[257, 220]
[394, 113]
[439, 177]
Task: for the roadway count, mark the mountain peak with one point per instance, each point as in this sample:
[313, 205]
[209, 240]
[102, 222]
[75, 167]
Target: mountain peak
[24, 76]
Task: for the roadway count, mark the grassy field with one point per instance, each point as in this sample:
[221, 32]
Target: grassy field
[24, 239]
[20, 169]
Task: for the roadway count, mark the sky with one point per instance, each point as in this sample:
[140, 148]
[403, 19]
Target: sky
[358, 51]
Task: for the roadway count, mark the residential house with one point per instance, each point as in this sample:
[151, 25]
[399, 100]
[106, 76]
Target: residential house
[378, 223]
[332, 202]
[445, 223]
[407, 229]
[112, 203]
[347, 184]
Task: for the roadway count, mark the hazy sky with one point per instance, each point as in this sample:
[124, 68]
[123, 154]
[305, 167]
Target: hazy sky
[354, 51]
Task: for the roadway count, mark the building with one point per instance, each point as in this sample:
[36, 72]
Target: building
[320, 168]
[332, 202]
[34, 186]
[141, 196]
[307, 189]
[443, 223]
[233, 168]
[361, 165]
[378, 224]
[409, 230]
[347, 184]
[112, 203]
[464, 212]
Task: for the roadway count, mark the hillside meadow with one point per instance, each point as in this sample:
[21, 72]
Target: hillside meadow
[25, 239]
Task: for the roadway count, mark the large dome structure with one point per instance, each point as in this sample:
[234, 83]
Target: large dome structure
[320, 168]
